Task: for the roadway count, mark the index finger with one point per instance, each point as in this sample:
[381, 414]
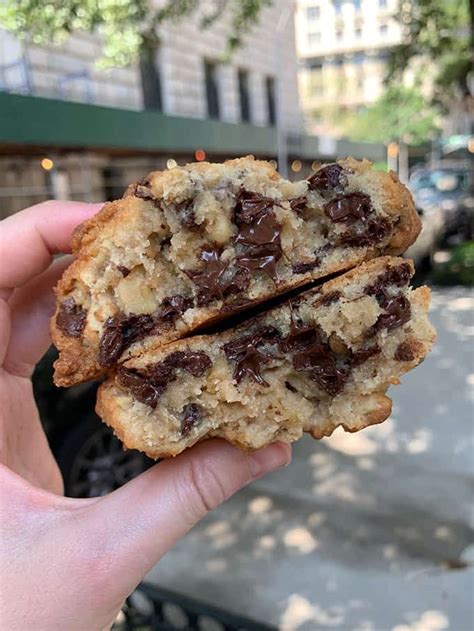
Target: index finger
[29, 239]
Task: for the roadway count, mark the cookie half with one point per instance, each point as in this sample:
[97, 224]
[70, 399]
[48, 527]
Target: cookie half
[319, 361]
[195, 244]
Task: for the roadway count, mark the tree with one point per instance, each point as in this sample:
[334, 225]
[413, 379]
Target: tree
[438, 36]
[401, 115]
[129, 28]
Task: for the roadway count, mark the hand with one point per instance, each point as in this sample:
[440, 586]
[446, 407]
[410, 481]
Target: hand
[68, 563]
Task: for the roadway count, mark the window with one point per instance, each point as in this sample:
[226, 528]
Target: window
[271, 109]
[244, 96]
[212, 91]
[316, 81]
[314, 39]
[383, 4]
[151, 82]
[312, 13]
[357, 4]
[383, 29]
[338, 6]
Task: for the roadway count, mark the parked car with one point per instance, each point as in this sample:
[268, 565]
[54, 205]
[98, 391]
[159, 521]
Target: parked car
[449, 188]
[92, 460]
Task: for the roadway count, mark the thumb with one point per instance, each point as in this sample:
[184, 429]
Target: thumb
[141, 521]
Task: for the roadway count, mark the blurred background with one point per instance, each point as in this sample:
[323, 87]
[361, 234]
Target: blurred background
[366, 532]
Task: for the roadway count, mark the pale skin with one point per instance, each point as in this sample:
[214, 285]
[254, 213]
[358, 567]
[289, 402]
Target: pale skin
[69, 563]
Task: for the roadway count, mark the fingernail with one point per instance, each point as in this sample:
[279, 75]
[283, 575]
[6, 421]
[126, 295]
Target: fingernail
[269, 458]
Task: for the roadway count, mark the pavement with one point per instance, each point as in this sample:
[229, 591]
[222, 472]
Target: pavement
[368, 532]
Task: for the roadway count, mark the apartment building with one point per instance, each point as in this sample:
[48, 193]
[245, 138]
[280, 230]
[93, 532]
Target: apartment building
[342, 47]
[71, 130]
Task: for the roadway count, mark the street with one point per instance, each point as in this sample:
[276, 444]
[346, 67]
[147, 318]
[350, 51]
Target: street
[369, 532]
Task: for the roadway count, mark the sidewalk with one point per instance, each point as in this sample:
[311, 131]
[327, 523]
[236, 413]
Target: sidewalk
[361, 532]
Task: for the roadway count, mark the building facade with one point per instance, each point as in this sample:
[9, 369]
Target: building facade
[342, 48]
[184, 78]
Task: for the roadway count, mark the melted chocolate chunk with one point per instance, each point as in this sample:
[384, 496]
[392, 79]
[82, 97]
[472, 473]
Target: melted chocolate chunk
[361, 355]
[238, 281]
[298, 204]
[258, 232]
[191, 415]
[263, 258]
[208, 278]
[123, 270]
[397, 312]
[71, 318]
[174, 306]
[139, 385]
[263, 230]
[244, 351]
[374, 231]
[289, 387]
[303, 267]
[119, 333]
[329, 178]
[149, 384]
[349, 208]
[405, 352]
[250, 206]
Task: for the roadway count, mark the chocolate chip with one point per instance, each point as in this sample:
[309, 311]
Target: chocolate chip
[298, 204]
[397, 312]
[190, 416]
[185, 210]
[148, 385]
[140, 386]
[119, 333]
[238, 281]
[329, 178]
[208, 278]
[143, 191]
[349, 208]
[303, 267]
[405, 352]
[376, 230]
[71, 318]
[174, 306]
[289, 387]
[123, 270]
[249, 359]
[399, 276]
[361, 355]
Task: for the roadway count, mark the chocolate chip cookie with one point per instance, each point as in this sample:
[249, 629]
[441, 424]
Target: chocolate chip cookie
[193, 245]
[320, 360]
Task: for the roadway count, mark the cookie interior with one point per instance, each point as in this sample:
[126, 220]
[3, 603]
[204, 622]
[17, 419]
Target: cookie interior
[322, 360]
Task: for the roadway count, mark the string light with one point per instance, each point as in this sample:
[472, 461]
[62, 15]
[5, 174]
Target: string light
[171, 164]
[392, 150]
[47, 164]
[296, 166]
[315, 165]
[200, 155]
[274, 163]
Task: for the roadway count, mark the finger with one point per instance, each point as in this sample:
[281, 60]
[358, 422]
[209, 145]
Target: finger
[31, 309]
[137, 524]
[30, 238]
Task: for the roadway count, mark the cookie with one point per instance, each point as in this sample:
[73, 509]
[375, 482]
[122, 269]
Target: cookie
[195, 244]
[323, 359]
